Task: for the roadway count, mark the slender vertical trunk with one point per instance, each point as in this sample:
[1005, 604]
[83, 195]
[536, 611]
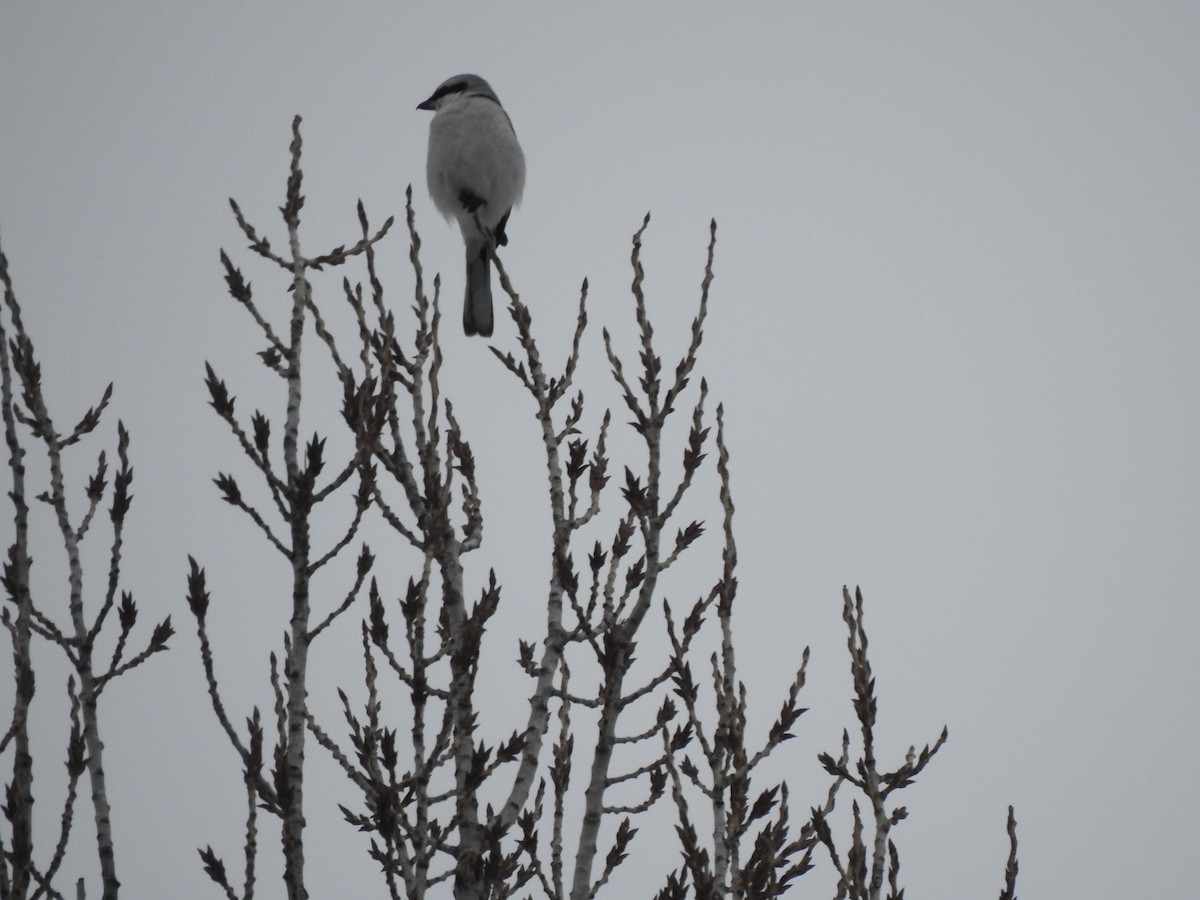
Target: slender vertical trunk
[95, 764]
[299, 508]
[585, 855]
[21, 797]
[468, 879]
[296, 667]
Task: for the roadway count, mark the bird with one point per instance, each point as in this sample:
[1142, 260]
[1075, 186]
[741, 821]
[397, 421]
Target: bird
[475, 167]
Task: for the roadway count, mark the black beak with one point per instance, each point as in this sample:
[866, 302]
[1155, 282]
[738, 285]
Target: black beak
[428, 104]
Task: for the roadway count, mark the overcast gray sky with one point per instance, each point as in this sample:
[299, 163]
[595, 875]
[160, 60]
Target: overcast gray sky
[955, 328]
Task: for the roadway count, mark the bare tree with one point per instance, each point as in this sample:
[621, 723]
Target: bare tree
[23, 407]
[296, 491]
[617, 718]
[421, 799]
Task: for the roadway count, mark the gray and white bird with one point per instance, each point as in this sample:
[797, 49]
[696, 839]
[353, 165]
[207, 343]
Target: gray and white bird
[475, 165]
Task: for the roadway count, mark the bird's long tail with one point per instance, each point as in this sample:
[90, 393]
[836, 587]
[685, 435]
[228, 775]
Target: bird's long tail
[477, 304]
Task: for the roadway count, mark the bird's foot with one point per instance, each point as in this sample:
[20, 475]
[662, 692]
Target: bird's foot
[498, 234]
[470, 201]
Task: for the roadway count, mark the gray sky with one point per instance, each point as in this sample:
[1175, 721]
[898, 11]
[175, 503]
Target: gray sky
[954, 327]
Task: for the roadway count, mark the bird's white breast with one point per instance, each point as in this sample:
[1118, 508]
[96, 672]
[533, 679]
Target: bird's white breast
[472, 147]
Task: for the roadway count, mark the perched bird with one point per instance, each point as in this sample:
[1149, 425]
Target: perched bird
[475, 165]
